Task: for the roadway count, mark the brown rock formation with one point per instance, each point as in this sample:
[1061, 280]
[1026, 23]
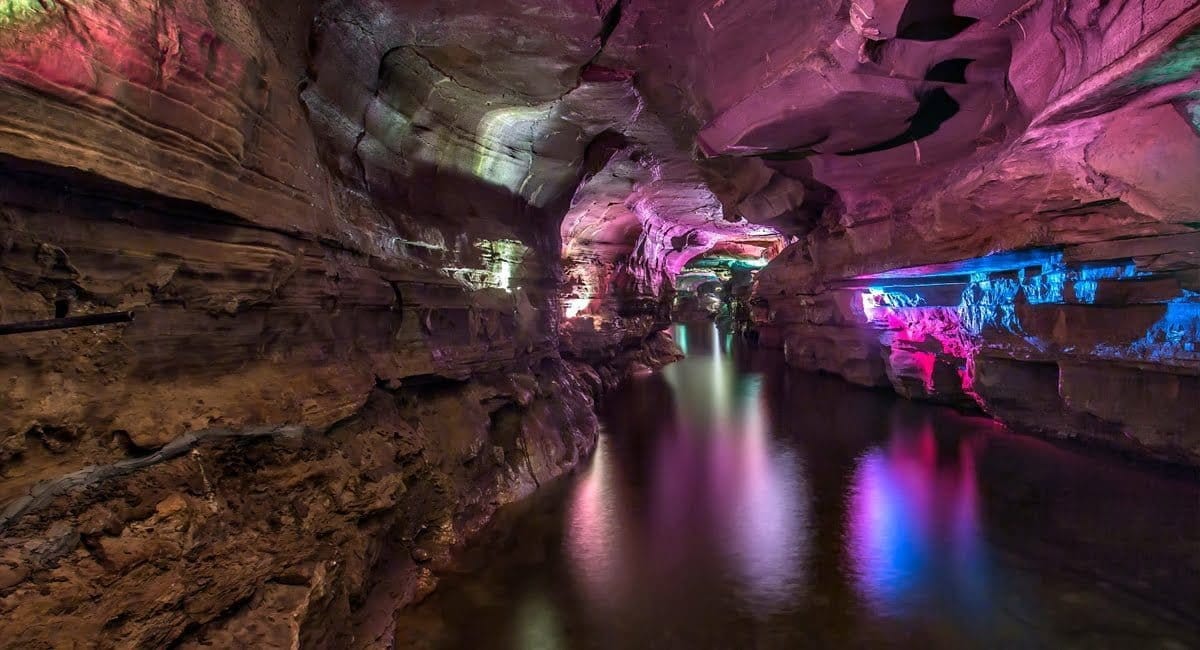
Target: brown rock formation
[331, 356]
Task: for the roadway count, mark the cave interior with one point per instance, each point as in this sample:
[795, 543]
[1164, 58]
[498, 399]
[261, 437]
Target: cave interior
[311, 281]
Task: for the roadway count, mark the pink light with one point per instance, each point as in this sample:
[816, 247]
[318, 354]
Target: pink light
[926, 361]
[595, 532]
[914, 520]
[717, 469]
[768, 514]
[919, 325]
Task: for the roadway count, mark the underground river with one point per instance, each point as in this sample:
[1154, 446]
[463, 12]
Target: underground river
[734, 504]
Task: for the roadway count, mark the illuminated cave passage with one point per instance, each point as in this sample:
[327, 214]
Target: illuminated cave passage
[599, 323]
[718, 285]
[731, 503]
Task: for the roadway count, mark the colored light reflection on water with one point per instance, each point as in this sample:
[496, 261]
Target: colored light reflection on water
[717, 451]
[734, 504]
[914, 526]
[680, 333]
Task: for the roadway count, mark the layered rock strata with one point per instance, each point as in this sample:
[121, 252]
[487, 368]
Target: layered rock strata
[1081, 341]
[1048, 276]
[345, 340]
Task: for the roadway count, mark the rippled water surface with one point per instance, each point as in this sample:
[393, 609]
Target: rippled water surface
[734, 504]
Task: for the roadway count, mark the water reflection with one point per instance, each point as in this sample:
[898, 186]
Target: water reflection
[766, 510]
[732, 503]
[596, 530]
[719, 491]
[538, 625]
[914, 526]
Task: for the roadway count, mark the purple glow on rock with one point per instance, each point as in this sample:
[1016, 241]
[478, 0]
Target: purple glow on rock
[629, 233]
[929, 333]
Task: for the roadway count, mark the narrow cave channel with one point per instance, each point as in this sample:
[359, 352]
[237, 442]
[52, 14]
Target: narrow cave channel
[568, 324]
[731, 503]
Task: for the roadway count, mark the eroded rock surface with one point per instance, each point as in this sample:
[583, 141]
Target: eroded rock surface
[382, 256]
[1046, 274]
[346, 338]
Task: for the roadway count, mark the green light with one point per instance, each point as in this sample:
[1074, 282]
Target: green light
[1176, 64]
[681, 337]
[1193, 111]
[501, 258]
[728, 263]
[14, 12]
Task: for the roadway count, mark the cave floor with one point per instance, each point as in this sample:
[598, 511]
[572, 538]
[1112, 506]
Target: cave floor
[734, 504]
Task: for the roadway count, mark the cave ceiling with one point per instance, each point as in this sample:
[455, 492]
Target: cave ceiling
[667, 127]
[871, 134]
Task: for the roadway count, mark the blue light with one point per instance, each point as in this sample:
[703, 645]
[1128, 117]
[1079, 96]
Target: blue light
[990, 303]
[1175, 336]
[997, 284]
[875, 299]
[1046, 258]
[1085, 291]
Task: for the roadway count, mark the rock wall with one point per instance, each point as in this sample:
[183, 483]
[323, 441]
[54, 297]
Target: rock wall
[267, 537]
[345, 284]
[1047, 276]
[1095, 341]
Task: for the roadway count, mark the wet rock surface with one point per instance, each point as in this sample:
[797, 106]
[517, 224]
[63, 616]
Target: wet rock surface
[264, 538]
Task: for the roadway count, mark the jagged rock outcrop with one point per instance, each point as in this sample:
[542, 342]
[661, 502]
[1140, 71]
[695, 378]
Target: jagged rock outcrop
[265, 537]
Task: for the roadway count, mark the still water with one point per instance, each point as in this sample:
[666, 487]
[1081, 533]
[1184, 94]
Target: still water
[734, 504]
